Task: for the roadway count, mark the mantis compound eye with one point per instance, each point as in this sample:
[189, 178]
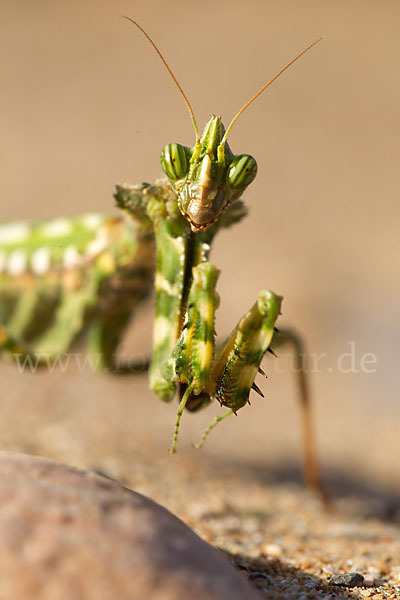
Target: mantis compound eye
[242, 171]
[175, 161]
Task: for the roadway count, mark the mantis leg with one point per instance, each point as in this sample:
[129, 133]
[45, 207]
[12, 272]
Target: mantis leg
[191, 359]
[230, 375]
[238, 361]
[181, 408]
[104, 338]
[211, 427]
[290, 337]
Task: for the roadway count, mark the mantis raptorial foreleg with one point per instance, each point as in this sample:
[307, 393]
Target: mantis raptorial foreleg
[227, 376]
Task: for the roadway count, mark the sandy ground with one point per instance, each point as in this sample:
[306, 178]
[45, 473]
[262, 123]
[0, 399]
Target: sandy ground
[259, 514]
[85, 104]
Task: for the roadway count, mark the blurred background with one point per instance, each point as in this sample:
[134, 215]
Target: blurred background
[86, 103]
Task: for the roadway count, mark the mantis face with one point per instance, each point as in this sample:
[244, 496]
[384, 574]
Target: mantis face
[208, 177]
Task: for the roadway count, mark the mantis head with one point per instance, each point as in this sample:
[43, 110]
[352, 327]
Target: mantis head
[208, 177]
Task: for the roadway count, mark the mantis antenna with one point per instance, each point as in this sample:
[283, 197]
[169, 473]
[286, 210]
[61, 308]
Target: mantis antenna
[174, 79]
[188, 105]
[241, 111]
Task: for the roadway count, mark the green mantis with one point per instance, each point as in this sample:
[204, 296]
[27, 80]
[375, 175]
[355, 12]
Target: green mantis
[60, 280]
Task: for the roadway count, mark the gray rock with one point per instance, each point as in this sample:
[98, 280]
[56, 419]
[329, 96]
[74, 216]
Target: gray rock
[347, 579]
[67, 534]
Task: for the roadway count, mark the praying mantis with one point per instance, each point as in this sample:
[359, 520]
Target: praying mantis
[86, 275]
